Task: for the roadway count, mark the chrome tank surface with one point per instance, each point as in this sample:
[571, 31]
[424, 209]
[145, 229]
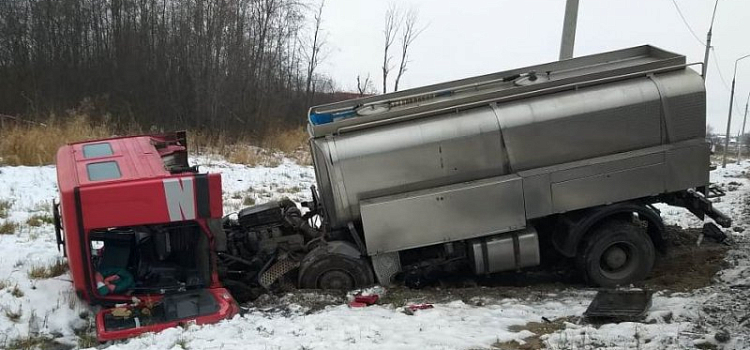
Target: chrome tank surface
[406, 156]
[498, 139]
[550, 124]
[603, 119]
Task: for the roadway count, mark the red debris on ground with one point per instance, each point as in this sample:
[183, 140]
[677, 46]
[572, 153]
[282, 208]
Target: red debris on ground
[364, 300]
[410, 309]
[415, 307]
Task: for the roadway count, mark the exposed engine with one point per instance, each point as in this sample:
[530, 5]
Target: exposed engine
[264, 243]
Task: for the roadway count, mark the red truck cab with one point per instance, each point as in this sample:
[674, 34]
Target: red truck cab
[140, 228]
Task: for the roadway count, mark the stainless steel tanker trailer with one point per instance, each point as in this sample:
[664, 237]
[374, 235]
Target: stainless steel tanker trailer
[476, 174]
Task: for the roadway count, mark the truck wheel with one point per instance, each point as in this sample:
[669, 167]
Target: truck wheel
[617, 253]
[322, 269]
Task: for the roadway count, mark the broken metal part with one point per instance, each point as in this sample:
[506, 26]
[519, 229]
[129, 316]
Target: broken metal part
[619, 305]
[712, 231]
[280, 268]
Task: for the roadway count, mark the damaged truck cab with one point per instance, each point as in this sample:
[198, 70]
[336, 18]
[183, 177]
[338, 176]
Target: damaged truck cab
[139, 227]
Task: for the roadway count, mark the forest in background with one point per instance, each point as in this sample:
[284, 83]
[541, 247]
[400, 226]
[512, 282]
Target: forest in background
[231, 66]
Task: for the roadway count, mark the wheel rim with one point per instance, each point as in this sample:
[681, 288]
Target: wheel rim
[336, 279]
[618, 261]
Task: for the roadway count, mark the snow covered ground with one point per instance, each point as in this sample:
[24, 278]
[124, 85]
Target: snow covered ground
[48, 307]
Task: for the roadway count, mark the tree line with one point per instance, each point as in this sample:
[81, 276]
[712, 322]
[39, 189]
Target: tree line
[231, 65]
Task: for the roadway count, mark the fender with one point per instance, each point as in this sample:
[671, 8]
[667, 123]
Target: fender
[572, 227]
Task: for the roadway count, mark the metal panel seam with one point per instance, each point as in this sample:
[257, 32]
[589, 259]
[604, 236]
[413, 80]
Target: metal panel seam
[85, 261]
[608, 173]
[665, 113]
[506, 158]
[340, 186]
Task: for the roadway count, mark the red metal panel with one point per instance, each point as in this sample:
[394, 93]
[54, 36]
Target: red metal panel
[227, 309]
[66, 182]
[214, 188]
[124, 204]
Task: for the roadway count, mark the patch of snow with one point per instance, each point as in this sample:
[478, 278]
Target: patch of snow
[261, 184]
[675, 321]
[453, 325]
[46, 305]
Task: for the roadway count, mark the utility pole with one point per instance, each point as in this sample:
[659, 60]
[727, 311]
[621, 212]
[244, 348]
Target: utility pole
[729, 124]
[729, 118]
[708, 42]
[569, 29]
[742, 133]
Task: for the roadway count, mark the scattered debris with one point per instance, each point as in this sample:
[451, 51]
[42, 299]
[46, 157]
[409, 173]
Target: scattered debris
[538, 330]
[619, 305]
[367, 299]
[411, 309]
[710, 230]
[364, 300]
[722, 336]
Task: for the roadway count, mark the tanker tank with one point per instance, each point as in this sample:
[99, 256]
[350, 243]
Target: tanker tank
[540, 123]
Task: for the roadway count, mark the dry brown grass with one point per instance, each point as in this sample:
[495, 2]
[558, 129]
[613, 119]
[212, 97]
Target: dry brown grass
[201, 142]
[16, 292]
[14, 315]
[293, 143]
[37, 220]
[32, 342]
[251, 156]
[539, 329]
[5, 208]
[262, 151]
[37, 144]
[287, 141]
[55, 269]
[8, 228]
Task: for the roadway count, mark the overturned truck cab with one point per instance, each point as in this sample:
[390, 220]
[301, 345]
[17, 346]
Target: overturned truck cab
[139, 228]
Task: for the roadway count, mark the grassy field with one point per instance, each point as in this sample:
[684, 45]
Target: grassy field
[36, 144]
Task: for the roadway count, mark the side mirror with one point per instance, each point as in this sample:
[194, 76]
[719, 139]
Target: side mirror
[57, 221]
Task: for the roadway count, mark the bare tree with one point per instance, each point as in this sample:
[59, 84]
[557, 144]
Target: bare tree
[364, 87]
[392, 24]
[409, 33]
[314, 56]
[232, 65]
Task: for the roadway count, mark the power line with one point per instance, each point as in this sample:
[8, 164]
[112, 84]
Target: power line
[716, 64]
[736, 109]
[687, 24]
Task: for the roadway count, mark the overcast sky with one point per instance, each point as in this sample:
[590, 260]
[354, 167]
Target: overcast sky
[471, 37]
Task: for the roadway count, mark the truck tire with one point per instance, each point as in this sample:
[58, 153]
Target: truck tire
[617, 253]
[324, 269]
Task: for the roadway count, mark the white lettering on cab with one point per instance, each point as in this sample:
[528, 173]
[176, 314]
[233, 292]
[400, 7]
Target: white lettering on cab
[180, 198]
